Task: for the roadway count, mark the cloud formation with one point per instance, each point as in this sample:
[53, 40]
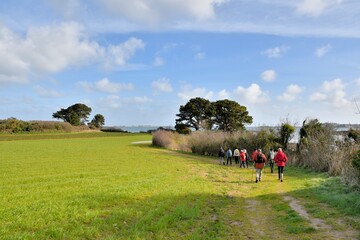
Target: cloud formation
[268, 75]
[188, 92]
[161, 85]
[332, 92]
[291, 93]
[252, 94]
[159, 12]
[275, 52]
[105, 85]
[53, 49]
[320, 52]
[315, 8]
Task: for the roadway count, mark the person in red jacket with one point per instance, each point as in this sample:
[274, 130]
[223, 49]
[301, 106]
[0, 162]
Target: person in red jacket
[280, 160]
[260, 161]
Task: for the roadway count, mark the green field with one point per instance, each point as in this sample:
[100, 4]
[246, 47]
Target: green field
[102, 186]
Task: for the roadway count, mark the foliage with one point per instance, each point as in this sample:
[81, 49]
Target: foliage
[76, 114]
[97, 122]
[356, 161]
[286, 132]
[201, 114]
[182, 128]
[13, 125]
[231, 116]
[354, 134]
[196, 113]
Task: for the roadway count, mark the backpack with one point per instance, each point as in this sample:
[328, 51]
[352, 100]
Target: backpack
[259, 158]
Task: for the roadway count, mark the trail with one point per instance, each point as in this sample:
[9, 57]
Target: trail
[252, 213]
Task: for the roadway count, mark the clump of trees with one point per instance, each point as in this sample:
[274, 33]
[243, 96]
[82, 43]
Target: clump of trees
[78, 114]
[201, 114]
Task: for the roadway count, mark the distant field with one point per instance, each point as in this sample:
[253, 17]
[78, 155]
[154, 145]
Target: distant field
[101, 186]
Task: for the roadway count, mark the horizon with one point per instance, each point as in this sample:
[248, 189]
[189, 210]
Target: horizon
[137, 63]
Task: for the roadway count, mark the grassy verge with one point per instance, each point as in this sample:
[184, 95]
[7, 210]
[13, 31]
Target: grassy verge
[100, 186]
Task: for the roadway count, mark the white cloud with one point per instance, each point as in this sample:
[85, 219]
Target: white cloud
[162, 85]
[156, 12]
[323, 50]
[111, 101]
[159, 61]
[118, 55]
[275, 52]
[292, 91]
[47, 93]
[332, 92]
[223, 94]
[139, 100]
[252, 94]
[315, 8]
[358, 82]
[188, 92]
[105, 85]
[67, 7]
[268, 75]
[52, 49]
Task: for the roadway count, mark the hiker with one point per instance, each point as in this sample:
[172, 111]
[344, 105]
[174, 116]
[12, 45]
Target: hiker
[247, 158]
[280, 159]
[271, 157]
[243, 158]
[237, 156]
[221, 156]
[228, 156]
[260, 160]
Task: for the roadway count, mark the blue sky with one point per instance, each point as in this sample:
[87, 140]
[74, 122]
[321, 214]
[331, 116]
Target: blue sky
[136, 62]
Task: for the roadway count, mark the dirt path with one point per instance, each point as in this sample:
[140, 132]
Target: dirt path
[319, 224]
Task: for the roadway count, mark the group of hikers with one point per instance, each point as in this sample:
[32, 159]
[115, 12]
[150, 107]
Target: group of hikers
[258, 159]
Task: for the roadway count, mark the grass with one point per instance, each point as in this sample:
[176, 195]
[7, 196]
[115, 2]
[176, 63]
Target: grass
[100, 186]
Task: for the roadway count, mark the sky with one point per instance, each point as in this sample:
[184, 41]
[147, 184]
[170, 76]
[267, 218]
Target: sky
[135, 62]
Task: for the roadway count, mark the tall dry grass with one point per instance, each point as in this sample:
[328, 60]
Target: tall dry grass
[209, 142]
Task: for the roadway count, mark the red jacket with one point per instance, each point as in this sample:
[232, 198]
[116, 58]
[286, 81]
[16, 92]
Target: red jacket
[258, 165]
[280, 158]
[242, 156]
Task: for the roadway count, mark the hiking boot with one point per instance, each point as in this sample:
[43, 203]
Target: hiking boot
[256, 181]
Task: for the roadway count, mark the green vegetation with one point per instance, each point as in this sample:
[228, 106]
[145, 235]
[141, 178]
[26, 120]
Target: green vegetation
[201, 114]
[101, 186]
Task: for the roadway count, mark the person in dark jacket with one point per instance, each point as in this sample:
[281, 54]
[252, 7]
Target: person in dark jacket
[221, 156]
[260, 160]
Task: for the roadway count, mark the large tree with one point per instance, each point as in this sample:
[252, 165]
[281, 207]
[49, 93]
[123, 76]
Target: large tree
[97, 122]
[196, 114]
[76, 114]
[230, 115]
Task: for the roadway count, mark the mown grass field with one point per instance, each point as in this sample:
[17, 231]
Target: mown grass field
[101, 186]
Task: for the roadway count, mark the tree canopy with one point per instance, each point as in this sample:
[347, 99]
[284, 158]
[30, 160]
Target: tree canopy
[76, 114]
[201, 114]
[231, 116]
[97, 122]
[196, 114]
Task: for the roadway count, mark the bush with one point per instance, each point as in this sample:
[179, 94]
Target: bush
[356, 161]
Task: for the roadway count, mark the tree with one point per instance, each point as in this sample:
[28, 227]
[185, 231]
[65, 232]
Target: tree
[97, 122]
[76, 114]
[195, 114]
[182, 128]
[286, 133]
[230, 115]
